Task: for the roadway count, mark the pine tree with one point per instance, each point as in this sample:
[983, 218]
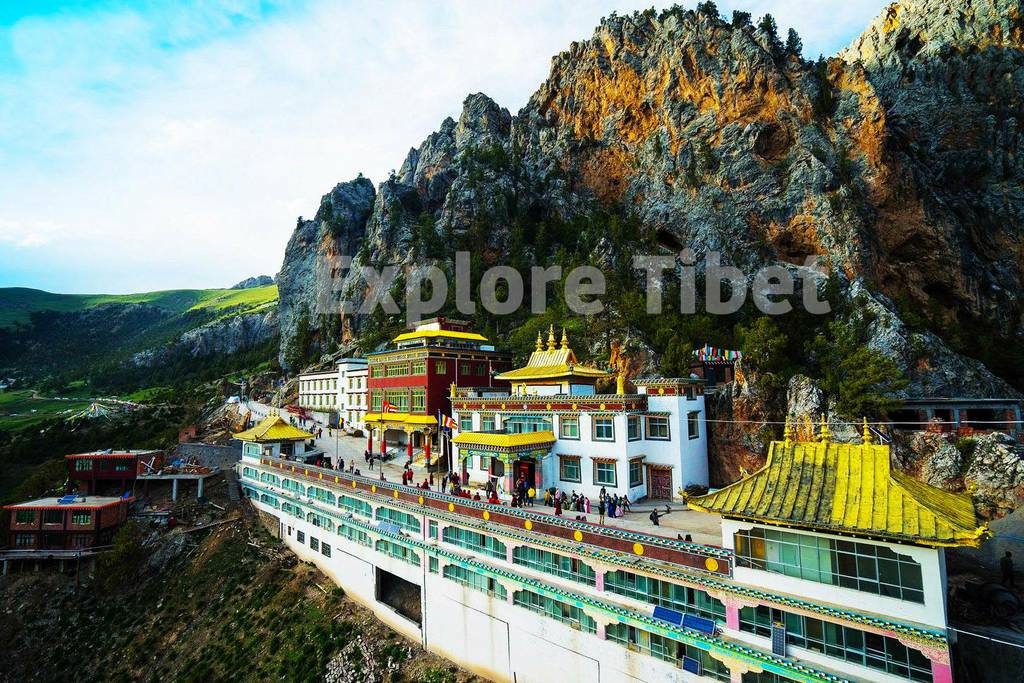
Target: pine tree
[771, 29]
[740, 19]
[709, 8]
[794, 45]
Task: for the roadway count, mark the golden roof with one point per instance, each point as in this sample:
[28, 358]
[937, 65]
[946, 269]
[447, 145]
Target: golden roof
[551, 362]
[273, 428]
[496, 440]
[433, 334]
[846, 488]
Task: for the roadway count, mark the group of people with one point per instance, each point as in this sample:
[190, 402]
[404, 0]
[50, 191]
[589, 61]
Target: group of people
[607, 505]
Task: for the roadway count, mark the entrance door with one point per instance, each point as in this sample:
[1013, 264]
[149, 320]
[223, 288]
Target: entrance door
[524, 469]
[659, 483]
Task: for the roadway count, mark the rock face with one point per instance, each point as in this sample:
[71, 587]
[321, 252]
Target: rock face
[312, 271]
[226, 336]
[257, 281]
[896, 164]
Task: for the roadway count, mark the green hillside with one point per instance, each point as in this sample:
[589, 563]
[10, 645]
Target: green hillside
[17, 303]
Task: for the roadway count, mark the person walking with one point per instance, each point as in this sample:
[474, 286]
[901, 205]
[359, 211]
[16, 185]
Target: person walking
[1006, 566]
[558, 507]
[600, 510]
[655, 516]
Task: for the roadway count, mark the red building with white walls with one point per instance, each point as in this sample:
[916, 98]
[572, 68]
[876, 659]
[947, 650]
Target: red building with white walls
[415, 376]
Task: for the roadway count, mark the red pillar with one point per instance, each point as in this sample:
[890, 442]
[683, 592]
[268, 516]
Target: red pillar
[383, 443]
[409, 446]
[426, 447]
[369, 440]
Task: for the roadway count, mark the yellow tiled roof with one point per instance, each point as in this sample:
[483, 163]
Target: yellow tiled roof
[848, 488]
[273, 428]
[495, 440]
[552, 363]
[433, 334]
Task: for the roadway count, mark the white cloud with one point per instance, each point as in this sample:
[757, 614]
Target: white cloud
[173, 151]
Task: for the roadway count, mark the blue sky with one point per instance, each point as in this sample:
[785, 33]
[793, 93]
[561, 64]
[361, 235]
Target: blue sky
[163, 144]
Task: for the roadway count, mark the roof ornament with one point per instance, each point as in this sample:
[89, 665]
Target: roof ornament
[825, 434]
[787, 433]
[867, 433]
[540, 342]
[565, 339]
[551, 338]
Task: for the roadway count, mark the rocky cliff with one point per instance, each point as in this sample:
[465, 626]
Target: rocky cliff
[226, 336]
[895, 164]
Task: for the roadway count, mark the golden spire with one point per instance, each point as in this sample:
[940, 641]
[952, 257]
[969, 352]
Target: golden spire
[867, 433]
[540, 342]
[787, 433]
[825, 433]
[551, 338]
[620, 383]
[565, 339]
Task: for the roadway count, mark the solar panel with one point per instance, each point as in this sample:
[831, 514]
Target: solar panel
[692, 665]
[388, 526]
[699, 624]
[66, 500]
[670, 615]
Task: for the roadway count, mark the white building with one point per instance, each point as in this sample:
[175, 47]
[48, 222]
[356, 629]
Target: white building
[318, 393]
[554, 430]
[352, 395]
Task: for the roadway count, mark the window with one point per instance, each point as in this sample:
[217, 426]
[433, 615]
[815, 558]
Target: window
[657, 427]
[665, 594]
[323, 495]
[604, 428]
[53, 516]
[859, 566]
[464, 369]
[440, 367]
[325, 550]
[465, 423]
[355, 506]
[300, 537]
[554, 609]
[396, 370]
[293, 486]
[527, 424]
[270, 500]
[693, 424]
[24, 540]
[376, 401]
[399, 398]
[633, 431]
[250, 472]
[81, 517]
[320, 521]
[487, 423]
[25, 517]
[399, 518]
[604, 474]
[353, 534]
[636, 473]
[271, 479]
[552, 563]
[419, 367]
[666, 649]
[419, 400]
[569, 427]
[400, 551]
[83, 464]
[836, 640]
[485, 462]
[432, 563]
[474, 580]
[570, 469]
[432, 529]
[471, 540]
[293, 510]
[314, 543]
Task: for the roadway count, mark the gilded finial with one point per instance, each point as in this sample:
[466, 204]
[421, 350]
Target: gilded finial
[551, 338]
[787, 433]
[540, 342]
[825, 434]
[565, 339]
[620, 384]
[451, 389]
[867, 433]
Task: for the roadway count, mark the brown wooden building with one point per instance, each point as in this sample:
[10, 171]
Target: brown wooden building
[109, 471]
[66, 523]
